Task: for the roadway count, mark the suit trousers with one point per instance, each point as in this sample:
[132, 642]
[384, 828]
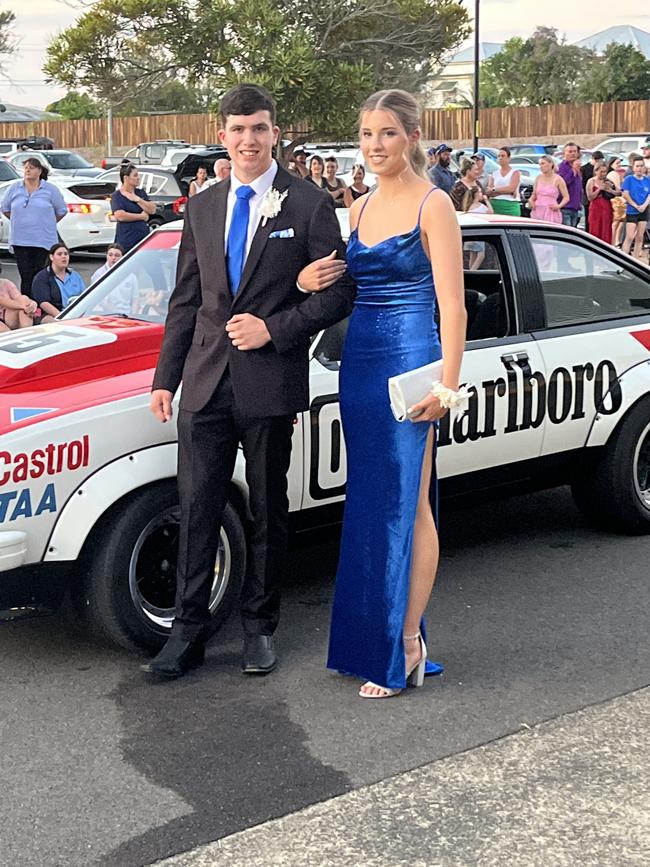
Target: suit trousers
[207, 449]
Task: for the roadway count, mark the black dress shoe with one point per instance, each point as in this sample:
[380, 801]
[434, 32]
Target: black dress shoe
[176, 658]
[259, 655]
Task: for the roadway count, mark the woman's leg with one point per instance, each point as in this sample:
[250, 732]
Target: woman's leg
[30, 260]
[630, 234]
[638, 241]
[424, 562]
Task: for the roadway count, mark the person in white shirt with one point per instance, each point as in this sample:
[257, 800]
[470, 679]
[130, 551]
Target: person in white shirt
[221, 172]
[114, 253]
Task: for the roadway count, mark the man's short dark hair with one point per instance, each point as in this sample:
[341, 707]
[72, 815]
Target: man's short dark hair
[246, 99]
[598, 155]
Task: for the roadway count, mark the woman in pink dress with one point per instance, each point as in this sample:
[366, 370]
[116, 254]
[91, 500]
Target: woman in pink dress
[550, 193]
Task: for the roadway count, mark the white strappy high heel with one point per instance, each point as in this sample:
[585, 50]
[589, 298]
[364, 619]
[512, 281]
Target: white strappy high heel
[414, 677]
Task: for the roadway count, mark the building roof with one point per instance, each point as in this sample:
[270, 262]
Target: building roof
[18, 113]
[486, 50]
[625, 34]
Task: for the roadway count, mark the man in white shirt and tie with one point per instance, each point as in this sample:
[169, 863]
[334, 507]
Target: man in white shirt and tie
[238, 334]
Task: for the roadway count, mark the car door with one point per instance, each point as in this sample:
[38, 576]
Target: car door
[501, 428]
[502, 365]
[594, 299]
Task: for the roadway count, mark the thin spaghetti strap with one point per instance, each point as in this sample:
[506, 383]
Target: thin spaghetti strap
[422, 205]
[363, 208]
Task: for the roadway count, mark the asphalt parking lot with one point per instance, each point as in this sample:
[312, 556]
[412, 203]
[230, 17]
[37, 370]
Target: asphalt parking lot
[535, 616]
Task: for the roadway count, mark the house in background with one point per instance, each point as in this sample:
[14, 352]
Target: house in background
[19, 114]
[454, 83]
[624, 35]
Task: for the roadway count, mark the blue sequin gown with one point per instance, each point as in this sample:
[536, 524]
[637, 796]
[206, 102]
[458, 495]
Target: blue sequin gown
[392, 330]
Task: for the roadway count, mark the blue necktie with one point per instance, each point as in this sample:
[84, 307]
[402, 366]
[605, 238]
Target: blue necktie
[236, 247]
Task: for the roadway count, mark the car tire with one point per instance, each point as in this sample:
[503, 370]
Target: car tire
[615, 492]
[155, 223]
[126, 593]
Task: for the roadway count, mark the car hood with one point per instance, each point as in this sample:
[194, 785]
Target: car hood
[65, 366]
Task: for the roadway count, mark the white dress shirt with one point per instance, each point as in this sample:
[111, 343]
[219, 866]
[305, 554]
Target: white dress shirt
[261, 185]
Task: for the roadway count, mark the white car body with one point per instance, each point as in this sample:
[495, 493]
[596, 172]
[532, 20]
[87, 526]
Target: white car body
[87, 224]
[559, 375]
[624, 145]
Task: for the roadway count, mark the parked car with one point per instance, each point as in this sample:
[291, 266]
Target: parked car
[162, 185]
[538, 150]
[187, 168]
[148, 153]
[38, 142]
[59, 162]
[88, 224]
[624, 145]
[558, 368]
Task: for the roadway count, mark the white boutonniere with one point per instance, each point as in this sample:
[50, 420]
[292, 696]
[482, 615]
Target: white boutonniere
[272, 204]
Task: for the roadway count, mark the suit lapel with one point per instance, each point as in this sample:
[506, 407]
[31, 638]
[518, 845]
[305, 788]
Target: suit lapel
[281, 182]
[218, 244]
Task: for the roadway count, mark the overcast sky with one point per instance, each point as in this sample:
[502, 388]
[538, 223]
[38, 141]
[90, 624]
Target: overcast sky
[37, 21]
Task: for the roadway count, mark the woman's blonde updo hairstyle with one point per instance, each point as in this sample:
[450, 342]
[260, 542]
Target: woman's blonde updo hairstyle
[404, 107]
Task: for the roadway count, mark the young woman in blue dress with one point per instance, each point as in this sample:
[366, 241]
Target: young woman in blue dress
[405, 240]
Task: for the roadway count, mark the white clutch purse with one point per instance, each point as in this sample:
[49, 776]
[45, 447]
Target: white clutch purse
[410, 387]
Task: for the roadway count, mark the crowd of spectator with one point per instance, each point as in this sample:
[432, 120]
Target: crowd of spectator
[613, 202]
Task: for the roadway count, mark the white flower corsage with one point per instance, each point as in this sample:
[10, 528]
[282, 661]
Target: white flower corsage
[272, 204]
[450, 399]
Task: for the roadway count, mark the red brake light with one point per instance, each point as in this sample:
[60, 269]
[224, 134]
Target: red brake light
[104, 163]
[79, 208]
[178, 207]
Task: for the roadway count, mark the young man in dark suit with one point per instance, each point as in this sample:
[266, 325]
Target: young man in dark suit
[237, 334]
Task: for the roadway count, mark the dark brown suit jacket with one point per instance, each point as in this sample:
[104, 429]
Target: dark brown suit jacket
[273, 380]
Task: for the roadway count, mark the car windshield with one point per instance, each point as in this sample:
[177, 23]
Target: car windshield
[139, 286]
[68, 161]
[7, 172]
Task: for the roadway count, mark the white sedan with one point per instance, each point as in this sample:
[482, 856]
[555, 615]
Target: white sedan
[88, 223]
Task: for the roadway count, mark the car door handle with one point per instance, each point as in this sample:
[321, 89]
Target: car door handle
[512, 357]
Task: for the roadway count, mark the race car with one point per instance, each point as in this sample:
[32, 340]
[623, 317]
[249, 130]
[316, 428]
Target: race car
[557, 365]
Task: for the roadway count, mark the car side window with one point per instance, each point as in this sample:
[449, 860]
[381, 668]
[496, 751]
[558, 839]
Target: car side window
[157, 184]
[485, 302]
[154, 152]
[582, 285]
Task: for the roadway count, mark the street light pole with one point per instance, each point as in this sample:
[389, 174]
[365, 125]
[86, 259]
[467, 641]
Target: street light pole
[476, 74]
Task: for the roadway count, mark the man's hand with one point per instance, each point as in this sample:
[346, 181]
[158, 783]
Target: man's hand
[321, 273]
[29, 305]
[247, 331]
[160, 404]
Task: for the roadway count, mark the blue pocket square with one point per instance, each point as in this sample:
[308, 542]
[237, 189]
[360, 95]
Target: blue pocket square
[282, 233]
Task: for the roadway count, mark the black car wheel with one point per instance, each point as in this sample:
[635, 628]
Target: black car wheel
[615, 493]
[126, 595]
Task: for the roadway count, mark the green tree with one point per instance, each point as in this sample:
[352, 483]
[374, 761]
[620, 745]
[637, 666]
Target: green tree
[535, 71]
[76, 106]
[7, 37]
[621, 73]
[318, 58]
